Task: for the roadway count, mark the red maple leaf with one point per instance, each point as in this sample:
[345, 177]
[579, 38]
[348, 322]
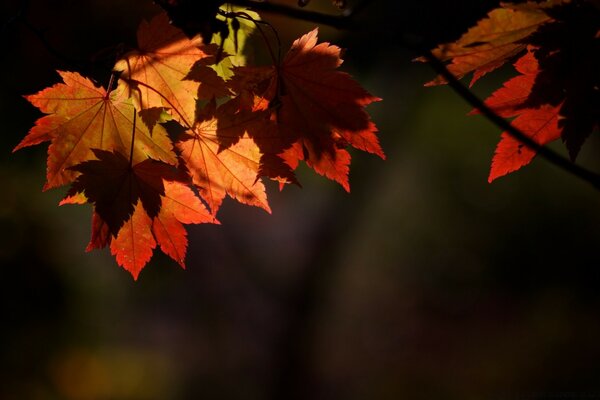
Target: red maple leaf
[556, 94]
[539, 123]
[317, 110]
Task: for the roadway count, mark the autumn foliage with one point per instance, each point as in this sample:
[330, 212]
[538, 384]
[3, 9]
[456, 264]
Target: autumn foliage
[237, 126]
[556, 44]
[184, 122]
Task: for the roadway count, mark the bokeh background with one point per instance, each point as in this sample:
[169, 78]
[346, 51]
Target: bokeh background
[425, 282]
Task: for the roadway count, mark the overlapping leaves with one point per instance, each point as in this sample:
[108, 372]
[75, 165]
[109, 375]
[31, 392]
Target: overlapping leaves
[319, 110]
[111, 147]
[556, 94]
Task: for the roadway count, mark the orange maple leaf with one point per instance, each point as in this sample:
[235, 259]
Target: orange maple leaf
[83, 117]
[494, 40]
[135, 242]
[157, 73]
[136, 207]
[217, 173]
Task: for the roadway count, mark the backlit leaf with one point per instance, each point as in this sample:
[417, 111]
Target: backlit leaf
[314, 105]
[83, 117]
[155, 74]
[494, 40]
[233, 171]
[137, 207]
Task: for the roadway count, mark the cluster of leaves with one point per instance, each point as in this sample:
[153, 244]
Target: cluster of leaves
[236, 125]
[557, 94]
[184, 122]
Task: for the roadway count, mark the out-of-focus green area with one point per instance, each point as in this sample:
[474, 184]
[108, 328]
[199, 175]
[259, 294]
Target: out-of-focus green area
[425, 282]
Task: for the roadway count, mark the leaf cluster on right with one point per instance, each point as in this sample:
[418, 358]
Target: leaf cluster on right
[557, 92]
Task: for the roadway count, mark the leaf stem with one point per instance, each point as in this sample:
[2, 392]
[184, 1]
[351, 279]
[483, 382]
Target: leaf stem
[132, 138]
[111, 82]
[276, 60]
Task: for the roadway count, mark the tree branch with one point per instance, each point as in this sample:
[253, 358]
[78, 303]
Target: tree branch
[334, 21]
[550, 155]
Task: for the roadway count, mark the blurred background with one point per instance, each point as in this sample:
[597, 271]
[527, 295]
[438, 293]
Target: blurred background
[424, 282]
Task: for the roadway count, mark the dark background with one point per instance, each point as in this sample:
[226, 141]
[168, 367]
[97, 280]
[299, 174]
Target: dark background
[425, 282]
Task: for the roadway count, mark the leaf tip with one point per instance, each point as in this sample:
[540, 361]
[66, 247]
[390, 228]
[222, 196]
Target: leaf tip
[497, 171]
[135, 275]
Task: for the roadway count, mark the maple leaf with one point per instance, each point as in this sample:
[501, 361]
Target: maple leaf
[495, 39]
[136, 207]
[156, 73]
[556, 94]
[84, 116]
[232, 171]
[540, 123]
[234, 120]
[324, 109]
[509, 100]
[180, 205]
[134, 244]
[315, 107]
[114, 186]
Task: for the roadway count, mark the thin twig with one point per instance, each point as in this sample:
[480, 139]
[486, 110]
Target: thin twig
[262, 33]
[273, 30]
[132, 138]
[335, 21]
